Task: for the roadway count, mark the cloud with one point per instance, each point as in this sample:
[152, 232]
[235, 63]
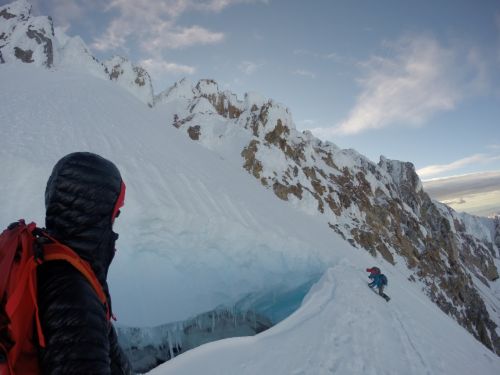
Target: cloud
[307, 122]
[153, 24]
[475, 193]
[447, 187]
[417, 78]
[437, 169]
[304, 73]
[64, 12]
[480, 83]
[406, 88]
[158, 67]
[218, 5]
[326, 56]
[334, 57]
[457, 201]
[114, 37]
[180, 37]
[303, 52]
[249, 67]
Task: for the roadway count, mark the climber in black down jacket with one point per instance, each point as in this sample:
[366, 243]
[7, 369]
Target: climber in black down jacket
[82, 199]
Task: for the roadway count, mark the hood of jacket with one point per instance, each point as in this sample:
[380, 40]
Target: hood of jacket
[81, 200]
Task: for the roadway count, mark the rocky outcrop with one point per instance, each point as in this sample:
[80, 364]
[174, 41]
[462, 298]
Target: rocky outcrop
[133, 78]
[194, 132]
[224, 103]
[24, 38]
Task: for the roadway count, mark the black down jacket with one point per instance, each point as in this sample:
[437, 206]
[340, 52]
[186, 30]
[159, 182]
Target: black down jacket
[80, 200]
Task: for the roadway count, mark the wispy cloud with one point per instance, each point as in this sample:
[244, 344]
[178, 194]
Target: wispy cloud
[416, 79]
[218, 5]
[493, 147]
[249, 67]
[64, 12]
[407, 88]
[159, 67]
[153, 24]
[305, 73]
[320, 55]
[307, 122]
[180, 37]
[440, 169]
[334, 57]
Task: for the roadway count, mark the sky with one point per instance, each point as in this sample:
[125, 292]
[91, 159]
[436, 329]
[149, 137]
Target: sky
[416, 81]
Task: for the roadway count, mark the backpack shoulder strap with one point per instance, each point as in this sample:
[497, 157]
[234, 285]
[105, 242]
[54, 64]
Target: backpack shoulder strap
[58, 251]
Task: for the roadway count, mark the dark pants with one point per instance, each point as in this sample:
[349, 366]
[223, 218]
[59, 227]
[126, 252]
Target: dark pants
[382, 294]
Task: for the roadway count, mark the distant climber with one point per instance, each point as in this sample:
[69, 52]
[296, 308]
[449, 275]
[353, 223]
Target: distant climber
[373, 271]
[379, 280]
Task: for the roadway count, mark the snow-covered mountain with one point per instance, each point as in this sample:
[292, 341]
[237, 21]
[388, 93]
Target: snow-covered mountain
[34, 40]
[378, 207]
[260, 210]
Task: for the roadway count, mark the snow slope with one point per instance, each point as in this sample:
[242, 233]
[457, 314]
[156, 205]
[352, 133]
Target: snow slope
[198, 232]
[345, 328]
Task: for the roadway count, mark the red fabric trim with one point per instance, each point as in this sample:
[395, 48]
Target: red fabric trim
[119, 202]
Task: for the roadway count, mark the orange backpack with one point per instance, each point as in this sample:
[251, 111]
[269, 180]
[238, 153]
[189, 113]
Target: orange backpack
[22, 249]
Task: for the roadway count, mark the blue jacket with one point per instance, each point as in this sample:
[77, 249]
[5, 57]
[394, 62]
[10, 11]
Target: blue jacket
[378, 280]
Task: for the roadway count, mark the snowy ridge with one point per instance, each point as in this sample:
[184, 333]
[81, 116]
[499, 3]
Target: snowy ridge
[344, 328]
[133, 78]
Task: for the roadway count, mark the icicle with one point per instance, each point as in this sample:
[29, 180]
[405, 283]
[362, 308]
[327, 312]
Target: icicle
[170, 348]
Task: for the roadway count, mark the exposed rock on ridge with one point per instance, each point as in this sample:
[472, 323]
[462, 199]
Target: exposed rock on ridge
[134, 79]
[25, 38]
